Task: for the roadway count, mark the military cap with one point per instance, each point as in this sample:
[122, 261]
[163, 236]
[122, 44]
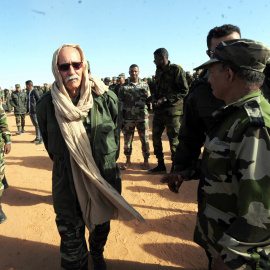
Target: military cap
[243, 53]
[107, 79]
[114, 78]
[45, 83]
[17, 85]
[122, 75]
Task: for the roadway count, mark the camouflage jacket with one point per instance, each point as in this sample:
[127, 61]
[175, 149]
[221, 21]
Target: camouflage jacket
[112, 86]
[4, 131]
[171, 83]
[19, 102]
[234, 217]
[133, 99]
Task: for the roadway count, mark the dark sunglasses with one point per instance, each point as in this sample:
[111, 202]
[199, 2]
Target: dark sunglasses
[66, 66]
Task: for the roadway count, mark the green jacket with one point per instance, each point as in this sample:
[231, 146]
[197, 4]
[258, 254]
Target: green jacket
[102, 127]
[171, 83]
[4, 131]
[233, 217]
[19, 102]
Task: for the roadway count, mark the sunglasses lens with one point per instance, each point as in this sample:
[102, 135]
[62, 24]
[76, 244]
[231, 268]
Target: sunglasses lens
[77, 65]
[64, 67]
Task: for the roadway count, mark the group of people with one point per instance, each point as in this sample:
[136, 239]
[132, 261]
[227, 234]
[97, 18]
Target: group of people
[224, 111]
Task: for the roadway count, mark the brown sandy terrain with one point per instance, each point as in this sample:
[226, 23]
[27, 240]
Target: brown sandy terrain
[29, 239]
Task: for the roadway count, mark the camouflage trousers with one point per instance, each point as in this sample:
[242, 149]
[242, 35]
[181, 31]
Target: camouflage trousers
[74, 252]
[20, 120]
[172, 124]
[2, 170]
[143, 131]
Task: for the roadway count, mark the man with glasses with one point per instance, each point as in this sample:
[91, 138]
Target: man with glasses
[167, 99]
[79, 123]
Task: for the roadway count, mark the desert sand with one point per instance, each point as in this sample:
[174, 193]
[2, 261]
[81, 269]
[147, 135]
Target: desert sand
[29, 239]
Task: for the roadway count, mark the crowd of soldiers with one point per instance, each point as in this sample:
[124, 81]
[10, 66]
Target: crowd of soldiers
[224, 108]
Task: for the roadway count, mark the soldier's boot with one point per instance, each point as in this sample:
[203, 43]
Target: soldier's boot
[5, 183]
[160, 169]
[3, 217]
[23, 131]
[19, 131]
[172, 169]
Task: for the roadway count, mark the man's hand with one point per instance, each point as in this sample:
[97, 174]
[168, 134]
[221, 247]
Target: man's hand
[220, 265]
[7, 148]
[160, 101]
[173, 180]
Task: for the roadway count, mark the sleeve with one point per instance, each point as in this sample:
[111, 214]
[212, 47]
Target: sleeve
[180, 86]
[42, 123]
[4, 126]
[191, 136]
[121, 102]
[247, 241]
[37, 97]
[114, 111]
[12, 102]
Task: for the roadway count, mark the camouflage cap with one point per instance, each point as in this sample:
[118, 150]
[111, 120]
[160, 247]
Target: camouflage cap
[17, 85]
[114, 78]
[107, 79]
[45, 83]
[122, 75]
[244, 53]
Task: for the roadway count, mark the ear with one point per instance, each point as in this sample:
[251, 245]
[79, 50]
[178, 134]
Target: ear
[230, 75]
[207, 52]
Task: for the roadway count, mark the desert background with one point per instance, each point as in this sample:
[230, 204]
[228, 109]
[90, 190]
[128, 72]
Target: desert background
[29, 239]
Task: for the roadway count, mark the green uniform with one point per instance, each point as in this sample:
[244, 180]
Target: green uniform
[134, 113]
[112, 87]
[171, 84]
[8, 99]
[19, 102]
[4, 138]
[234, 217]
[102, 128]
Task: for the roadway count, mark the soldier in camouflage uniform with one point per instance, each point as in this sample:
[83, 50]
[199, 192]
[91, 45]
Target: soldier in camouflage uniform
[133, 97]
[7, 99]
[5, 147]
[167, 97]
[107, 81]
[233, 217]
[121, 78]
[19, 102]
[112, 86]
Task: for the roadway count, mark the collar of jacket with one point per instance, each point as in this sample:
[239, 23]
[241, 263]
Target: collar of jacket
[167, 67]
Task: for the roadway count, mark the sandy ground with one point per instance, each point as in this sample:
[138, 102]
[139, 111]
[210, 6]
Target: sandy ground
[29, 239]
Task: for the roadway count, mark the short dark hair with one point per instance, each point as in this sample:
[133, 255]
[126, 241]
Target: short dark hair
[221, 31]
[29, 82]
[250, 77]
[133, 66]
[163, 52]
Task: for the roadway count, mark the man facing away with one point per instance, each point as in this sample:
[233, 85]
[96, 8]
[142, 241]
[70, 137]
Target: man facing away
[167, 99]
[79, 124]
[33, 98]
[133, 96]
[19, 102]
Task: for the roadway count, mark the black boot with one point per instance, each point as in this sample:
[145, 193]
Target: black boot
[5, 183]
[35, 140]
[39, 142]
[23, 131]
[3, 217]
[160, 169]
[19, 131]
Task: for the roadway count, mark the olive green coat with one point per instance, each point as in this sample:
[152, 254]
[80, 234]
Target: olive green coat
[19, 102]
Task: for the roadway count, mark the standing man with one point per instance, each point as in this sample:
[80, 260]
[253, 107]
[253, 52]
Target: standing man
[107, 81]
[121, 78]
[46, 88]
[5, 147]
[112, 86]
[19, 102]
[7, 99]
[33, 98]
[79, 123]
[167, 99]
[133, 97]
[233, 216]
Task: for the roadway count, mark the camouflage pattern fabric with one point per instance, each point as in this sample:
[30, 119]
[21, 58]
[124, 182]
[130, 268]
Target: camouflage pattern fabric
[132, 100]
[171, 83]
[2, 170]
[143, 131]
[7, 99]
[172, 123]
[19, 102]
[234, 217]
[4, 131]
[74, 251]
[20, 120]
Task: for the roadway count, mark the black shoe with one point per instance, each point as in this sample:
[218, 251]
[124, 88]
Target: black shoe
[6, 185]
[23, 131]
[35, 140]
[160, 169]
[99, 264]
[39, 142]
